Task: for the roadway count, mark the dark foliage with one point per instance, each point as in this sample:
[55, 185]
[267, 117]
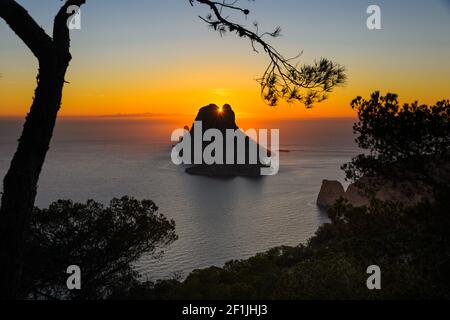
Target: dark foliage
[404, 142]
[411, 246]
[104, 241]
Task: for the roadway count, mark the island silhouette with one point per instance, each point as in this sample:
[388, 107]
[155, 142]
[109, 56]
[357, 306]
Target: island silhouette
[223, 119]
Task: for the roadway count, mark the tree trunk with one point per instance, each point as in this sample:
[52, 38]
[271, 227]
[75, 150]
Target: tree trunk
[20, 183]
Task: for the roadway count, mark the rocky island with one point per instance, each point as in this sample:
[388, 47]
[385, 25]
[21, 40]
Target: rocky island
[382, 189]
[223, 119]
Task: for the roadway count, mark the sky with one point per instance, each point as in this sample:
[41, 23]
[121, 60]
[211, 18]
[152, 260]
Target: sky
[158, 58]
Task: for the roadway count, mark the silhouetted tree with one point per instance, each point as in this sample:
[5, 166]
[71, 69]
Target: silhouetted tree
[104, 241]
[408, 141]
[19, 186]
[281, 80]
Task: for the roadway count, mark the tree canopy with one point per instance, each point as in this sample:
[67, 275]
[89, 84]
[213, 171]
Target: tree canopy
[409, 141]
[104, 241]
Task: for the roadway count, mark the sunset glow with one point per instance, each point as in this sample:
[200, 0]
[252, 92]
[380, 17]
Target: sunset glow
[133, 69]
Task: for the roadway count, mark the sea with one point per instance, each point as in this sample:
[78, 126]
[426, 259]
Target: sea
[217, 220]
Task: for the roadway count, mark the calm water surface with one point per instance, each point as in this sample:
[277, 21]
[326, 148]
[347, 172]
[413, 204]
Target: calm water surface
[216, 219]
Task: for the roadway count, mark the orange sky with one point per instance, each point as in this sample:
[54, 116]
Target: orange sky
[120, 71]
[133, 89]
[182, 91]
